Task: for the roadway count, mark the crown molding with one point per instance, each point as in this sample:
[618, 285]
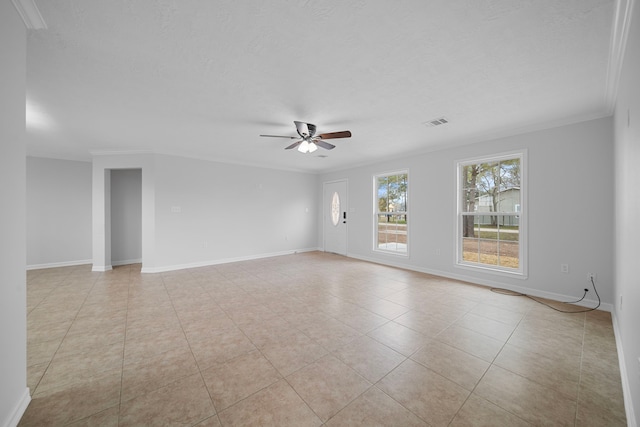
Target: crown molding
[30, 14]
[619, 36]
[119, 152]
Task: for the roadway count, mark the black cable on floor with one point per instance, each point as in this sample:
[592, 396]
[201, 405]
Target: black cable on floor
[519, 294]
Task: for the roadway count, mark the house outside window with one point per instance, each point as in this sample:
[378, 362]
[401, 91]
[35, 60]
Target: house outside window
[491, 225]
[390, 217]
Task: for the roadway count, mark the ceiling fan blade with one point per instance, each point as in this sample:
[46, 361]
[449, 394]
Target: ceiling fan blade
[280, 136]
[325, 145]
[294, 145]
[333, 135]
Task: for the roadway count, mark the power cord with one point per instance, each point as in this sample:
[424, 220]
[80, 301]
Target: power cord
[519, 294]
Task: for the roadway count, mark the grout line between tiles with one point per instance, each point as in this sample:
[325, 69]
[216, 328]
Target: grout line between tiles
[124, 348]
[485, 373]
[192, 353]
[67, 332]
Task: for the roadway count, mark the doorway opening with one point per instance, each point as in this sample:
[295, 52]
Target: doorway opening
[126, 216]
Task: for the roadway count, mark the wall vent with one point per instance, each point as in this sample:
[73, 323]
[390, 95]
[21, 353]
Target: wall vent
[437, 122]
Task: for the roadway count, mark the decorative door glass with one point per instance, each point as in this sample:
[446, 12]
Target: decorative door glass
[335, 209]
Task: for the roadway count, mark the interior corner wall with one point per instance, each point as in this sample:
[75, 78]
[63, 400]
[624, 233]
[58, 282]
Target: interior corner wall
[14, 394]
[627, 209]
[209, 212]
[126, 216]
[570, 199]
[58, 212]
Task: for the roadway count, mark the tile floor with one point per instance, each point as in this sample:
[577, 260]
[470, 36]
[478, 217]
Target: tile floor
[308, 339]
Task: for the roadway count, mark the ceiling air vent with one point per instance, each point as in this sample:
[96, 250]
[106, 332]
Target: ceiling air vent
[437, 122]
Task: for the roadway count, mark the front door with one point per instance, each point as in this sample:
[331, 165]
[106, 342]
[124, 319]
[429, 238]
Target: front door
[334, 213]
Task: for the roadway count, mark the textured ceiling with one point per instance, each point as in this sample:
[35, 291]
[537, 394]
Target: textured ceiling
[205, 78]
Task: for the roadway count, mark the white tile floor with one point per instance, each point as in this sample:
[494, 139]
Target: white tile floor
[308, 339]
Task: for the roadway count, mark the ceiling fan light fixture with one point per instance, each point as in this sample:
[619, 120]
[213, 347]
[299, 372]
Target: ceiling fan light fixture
[312, 147]
[304, 147]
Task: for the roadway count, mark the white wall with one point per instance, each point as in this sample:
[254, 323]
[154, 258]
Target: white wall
[627, 208]
[58, 212]
[197, 212]
[14, 394]
[570, 201]
[229, 212]
[126, 216]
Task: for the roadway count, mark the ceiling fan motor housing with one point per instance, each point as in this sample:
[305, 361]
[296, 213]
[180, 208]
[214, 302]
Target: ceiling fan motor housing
[305, 130]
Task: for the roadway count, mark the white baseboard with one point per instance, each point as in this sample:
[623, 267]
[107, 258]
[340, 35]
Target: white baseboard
[59, 264]
[221, 261]
[101, 268]
[18, 412]
[491, 283]
[626, 388]
[126, 262]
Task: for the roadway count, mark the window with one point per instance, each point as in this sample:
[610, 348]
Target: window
[390, 230]
[491, 213]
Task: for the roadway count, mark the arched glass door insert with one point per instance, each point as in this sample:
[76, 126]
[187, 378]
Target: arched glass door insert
[335, 209]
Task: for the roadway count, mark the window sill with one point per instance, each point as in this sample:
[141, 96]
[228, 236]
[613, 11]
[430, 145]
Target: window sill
[487, 269]
[390, 252]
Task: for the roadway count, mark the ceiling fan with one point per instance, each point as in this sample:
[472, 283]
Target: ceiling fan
[310, 141]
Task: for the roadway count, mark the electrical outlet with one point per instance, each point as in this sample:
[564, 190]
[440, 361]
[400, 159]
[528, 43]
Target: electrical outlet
[564, 268]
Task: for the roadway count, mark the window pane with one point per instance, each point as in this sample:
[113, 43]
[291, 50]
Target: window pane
[470, 249]
[383, 225]
[487, 231]
[383, 194]
[469, 188]
[488, 252]
[509, 233]
[509, 254]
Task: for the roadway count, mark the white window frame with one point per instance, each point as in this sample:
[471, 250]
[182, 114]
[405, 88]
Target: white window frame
[521, 213]
[376, 212]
